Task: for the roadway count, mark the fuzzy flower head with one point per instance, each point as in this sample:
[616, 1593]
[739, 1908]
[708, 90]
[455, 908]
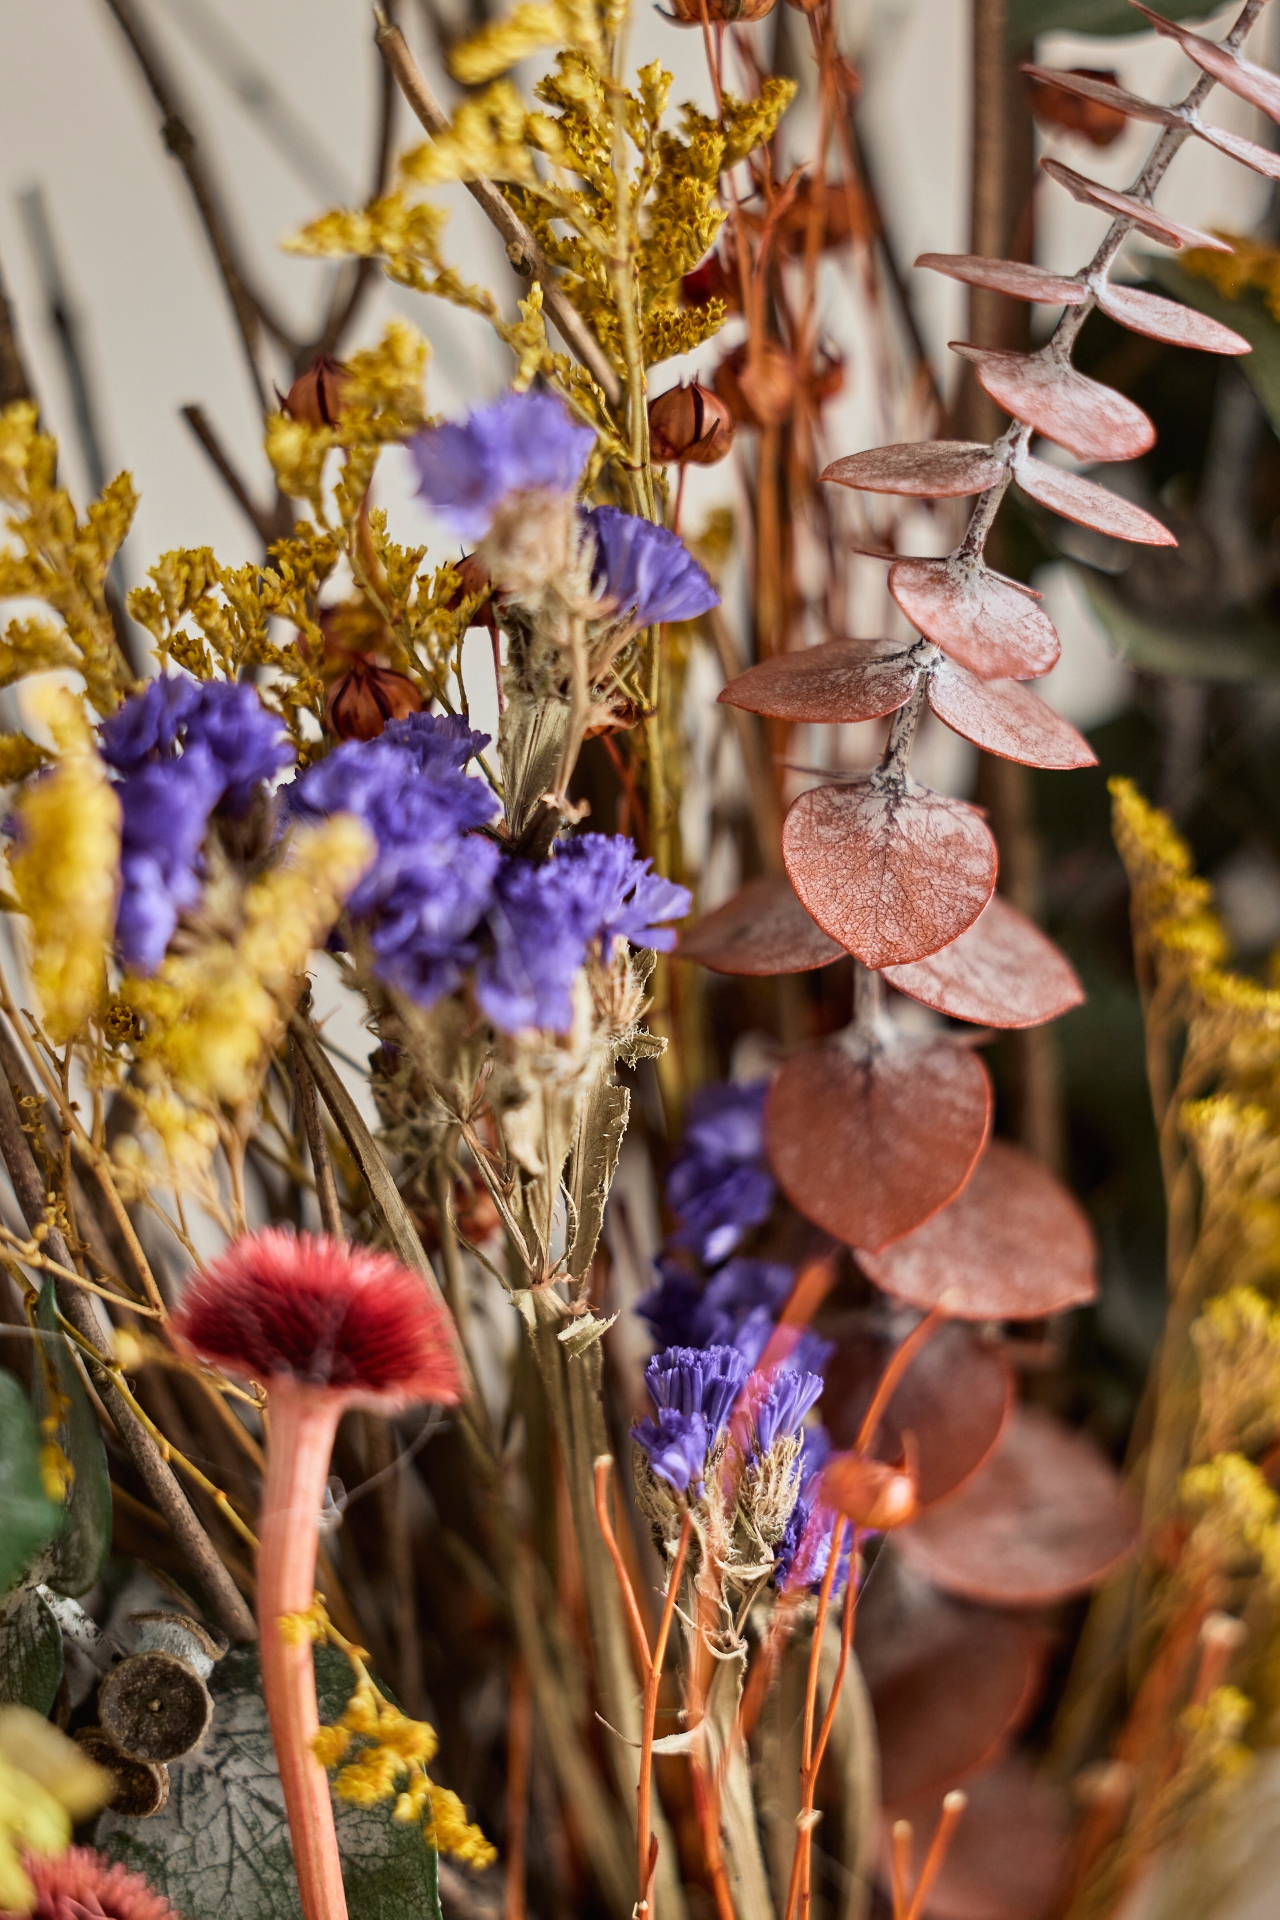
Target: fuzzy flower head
[645, 573]
[719, 1185]
[315, 1310]
[524, 443]
[805, 1547]
[694, 1392]
[83, 1885]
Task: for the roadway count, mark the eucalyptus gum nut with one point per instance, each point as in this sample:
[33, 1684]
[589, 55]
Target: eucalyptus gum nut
[1089, 505]
[891, 871]
[155, 1706]
[1090, 420]
[762, 930]
[1001, 972]
[1008, 1855]
[838, 680]
[954, 1398]
[923, 469]
[989, 624]
[1013, 1245]
[869, 1146]
[1048, 1517]
[139, 1788]
[1006, 718]
[1149, 220]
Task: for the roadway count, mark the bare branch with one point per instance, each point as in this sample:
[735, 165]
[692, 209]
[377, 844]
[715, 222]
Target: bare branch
[269, 525]
[346, 304]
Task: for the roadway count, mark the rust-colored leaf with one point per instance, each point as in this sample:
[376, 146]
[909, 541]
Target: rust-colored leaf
[949, 1681]
[1089, 505]
[1014, 1245]
[987, 623]
[868, 1147]
[1008, 1856]
[1090, 420]
[926, 469]
[1149, 220]
[1169, 320]
[890, 870]
[1006, 719]
[762, 930]
[1254, 84]
[1012, 277]
[1002, 972]
[1047, 1517]
[838, 680]
[1247, 152]
[953, 1400]
[1093, 86]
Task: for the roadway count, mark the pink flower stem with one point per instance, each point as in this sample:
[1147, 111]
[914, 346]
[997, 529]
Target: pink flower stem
[303, 1420]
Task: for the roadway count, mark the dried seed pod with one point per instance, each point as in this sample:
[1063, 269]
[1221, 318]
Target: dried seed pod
[155, 1704]
[716, 278]
[139, 1788]
[689, 426]
[757, 387]
[1058, 110]
[871, 1493]
[361, 702]
[739, 13]
[318, 396]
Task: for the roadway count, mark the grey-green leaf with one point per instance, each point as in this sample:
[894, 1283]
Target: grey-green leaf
[28, 1517]
[30, 1652]
[220, 1849]
[1248, 313]
[79, 1553]
[1240, 647]
[1027, 18]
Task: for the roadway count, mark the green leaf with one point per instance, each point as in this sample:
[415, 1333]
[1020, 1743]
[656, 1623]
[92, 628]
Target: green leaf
[30, 1652]
[1237, 649]
[1247, 313]
[80, 1551]
[220, 1849]
[28, 1517]
[1027, 18]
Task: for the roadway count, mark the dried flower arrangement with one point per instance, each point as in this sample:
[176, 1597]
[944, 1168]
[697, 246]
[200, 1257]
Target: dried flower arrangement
[772, 1611]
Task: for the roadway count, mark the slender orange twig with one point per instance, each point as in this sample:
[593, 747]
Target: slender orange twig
[647, 1845]
[901, 1867]
[603, 1468]
[953, 1806]
[889, 1380]
[808, 1773]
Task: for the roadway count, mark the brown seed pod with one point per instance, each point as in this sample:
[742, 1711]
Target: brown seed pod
[139, 1788]
[361, 702]
[318, 396]
[716, 278]
[155, 1704]
[1060, 111]
[689, 426]
[871, 1493]
[739, 13]
[757, 387]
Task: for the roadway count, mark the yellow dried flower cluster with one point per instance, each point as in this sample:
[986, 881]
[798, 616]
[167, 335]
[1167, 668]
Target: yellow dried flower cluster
[47, 1783]
[63, 862]
[1250, 263]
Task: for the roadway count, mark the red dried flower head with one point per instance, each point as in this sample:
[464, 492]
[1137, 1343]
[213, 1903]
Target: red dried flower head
[83, 1885]
[323, 1313]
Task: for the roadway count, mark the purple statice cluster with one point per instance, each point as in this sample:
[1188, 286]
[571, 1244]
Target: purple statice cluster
[696, 1391]
[526, 443]
[805, 1547]
[442, 900]
[185, 750]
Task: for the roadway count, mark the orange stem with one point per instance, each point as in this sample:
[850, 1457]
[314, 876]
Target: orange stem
[953, 1806]
[603, 1468]
[798, 1887]
[889, 1379]
[647, 1853]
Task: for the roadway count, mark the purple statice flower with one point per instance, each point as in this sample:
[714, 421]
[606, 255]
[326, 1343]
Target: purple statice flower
[805, 1547]
[523, 442]
[593, 888]
[808, 1353]
[778, 1412]
[671, 1307]
[645, 571]
[718, 1185]
[425, 896]
[736, 1296]
[185, 748]
[694, 1394]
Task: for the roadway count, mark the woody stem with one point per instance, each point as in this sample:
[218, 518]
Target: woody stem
[304, 1420]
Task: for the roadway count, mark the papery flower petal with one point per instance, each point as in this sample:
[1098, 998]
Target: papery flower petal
[645, 571]
[522, 442]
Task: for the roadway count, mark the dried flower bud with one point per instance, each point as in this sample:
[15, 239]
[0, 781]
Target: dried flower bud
[758, 386]
[361, 702]
[690, 426]
[473, 578]
[688, 13]
[716, 279]
[871, 1493]
[317, 396]
[1058, 111]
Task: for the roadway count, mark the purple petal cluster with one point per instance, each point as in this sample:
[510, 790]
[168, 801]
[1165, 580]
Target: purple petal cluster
[805, 1547]
[777, 1415]
[645, 571]
[522, 442]
[440, 898]
[718, 1185]
[184, 749]
[694, 1392]
[543, 919]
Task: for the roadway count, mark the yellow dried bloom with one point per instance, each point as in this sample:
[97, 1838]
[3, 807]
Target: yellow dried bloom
[1235, 1518]
[534, 24]
[1237, 1343]
[485, 138]
[1251, 263]
[64, 863]
[331, 1744]
[453, 1833]
[47, 1784]
[392, 226]
[19, 757]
